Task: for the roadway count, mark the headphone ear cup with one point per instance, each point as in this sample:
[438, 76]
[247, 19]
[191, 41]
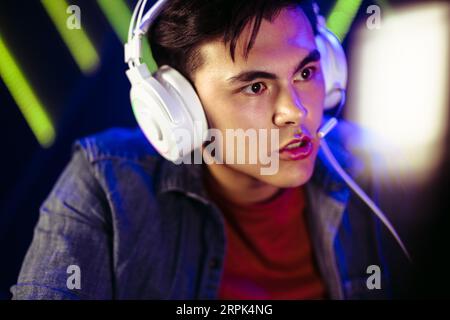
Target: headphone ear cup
[181, 89]
[153, 119]
[334, 67]
[160, 114]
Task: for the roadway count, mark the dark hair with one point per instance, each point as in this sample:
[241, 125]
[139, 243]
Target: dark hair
[185, 24]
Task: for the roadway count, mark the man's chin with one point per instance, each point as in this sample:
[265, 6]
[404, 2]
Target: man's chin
[289, 179]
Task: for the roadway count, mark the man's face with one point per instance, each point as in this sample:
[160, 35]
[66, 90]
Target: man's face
[279, 86]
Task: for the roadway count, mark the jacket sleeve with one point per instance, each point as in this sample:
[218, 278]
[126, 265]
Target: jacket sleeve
[70, 253]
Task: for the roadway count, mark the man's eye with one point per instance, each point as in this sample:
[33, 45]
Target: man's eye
[307, 73]
[255, 88]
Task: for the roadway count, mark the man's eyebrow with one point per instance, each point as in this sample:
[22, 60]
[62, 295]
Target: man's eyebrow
[248, 76]
[313, 56]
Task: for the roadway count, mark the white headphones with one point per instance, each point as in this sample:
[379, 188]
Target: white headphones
[166, 101]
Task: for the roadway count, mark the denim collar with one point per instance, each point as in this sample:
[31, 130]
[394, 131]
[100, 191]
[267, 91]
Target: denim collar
[185, 178]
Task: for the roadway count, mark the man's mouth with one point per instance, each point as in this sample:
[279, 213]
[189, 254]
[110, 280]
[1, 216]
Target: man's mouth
[297, 149]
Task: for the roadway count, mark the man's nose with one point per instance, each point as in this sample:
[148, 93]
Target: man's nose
[289, 110]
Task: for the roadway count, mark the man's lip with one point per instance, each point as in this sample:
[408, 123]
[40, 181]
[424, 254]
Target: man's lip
[302, 138]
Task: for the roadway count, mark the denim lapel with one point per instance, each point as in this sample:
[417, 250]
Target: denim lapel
[327, 199]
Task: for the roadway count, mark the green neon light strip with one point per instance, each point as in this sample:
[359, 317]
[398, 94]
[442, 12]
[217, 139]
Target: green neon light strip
[76, 40]
[119, 16]
[341, 17]
[27, 101]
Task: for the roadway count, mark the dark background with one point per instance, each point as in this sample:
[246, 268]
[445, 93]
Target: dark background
[82, 104]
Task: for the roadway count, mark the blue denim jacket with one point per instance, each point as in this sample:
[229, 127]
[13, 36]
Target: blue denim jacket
[141, 227]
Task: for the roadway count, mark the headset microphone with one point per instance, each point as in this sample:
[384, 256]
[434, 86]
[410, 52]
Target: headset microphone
[326, 128]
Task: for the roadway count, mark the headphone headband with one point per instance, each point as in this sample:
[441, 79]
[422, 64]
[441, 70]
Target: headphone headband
[138, 27]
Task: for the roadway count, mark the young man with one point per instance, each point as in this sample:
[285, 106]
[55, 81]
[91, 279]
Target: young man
[131, 224]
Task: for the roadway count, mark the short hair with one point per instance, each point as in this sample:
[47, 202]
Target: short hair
[184, 25]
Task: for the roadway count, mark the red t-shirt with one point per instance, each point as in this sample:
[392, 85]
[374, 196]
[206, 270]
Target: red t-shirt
[268, 254]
